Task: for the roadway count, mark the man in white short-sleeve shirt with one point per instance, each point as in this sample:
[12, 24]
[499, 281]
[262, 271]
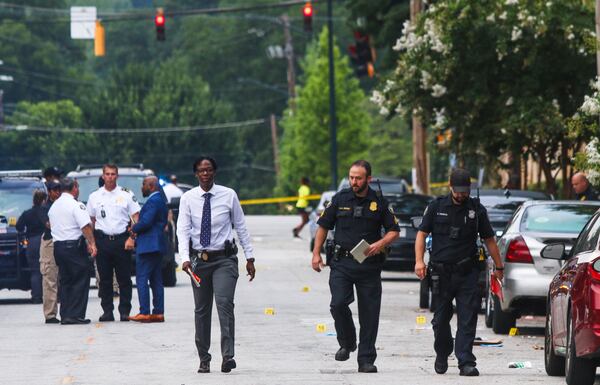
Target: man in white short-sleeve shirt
[70, 223]
[111, 208]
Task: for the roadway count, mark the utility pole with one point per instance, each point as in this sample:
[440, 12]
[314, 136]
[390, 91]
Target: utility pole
[420, 169]
[289, 54]
[332, 114]
[597, 18]
[1, 111]
[274, 140]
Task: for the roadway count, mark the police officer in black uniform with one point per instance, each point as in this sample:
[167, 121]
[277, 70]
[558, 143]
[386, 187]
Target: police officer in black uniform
[357, 213]
[583, 188]
[455, 221]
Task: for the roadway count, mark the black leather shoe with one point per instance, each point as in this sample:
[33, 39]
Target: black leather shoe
[74, 321]
[204, 367]
[106, 317]
[228, 364]
[124, 317]
[367, 368]
[469, 371]
[52, 320]
[344, 353]
[441, 365]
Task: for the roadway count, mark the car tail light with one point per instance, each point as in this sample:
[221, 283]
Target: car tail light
[518, 252]
[594, 269]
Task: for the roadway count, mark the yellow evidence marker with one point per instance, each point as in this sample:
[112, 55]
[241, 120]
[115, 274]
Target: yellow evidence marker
[269, 311]
[321, 328]
[421, 320]
[513, 332]
[305, 289]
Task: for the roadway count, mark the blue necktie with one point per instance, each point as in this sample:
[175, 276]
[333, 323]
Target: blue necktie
[205, 227]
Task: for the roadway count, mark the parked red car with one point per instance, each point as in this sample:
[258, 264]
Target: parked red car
[572, 343]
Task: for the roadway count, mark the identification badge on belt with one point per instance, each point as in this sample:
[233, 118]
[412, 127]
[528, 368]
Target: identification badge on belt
[204, 256]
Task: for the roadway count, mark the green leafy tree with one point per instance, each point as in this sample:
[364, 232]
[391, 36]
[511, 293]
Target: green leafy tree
[305, 149]
[503, 76]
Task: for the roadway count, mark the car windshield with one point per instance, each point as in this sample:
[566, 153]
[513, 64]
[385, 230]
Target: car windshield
[412, 205]
[502, 203]
[13, 201]
[89, 184]
[557, 218]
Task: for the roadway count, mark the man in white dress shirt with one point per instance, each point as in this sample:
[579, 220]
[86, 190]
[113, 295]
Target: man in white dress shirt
[111, 207]
[207, 216]
[69, 224]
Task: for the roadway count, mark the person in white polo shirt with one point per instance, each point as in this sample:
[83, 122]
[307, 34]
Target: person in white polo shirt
[111, 208]
[71, 227]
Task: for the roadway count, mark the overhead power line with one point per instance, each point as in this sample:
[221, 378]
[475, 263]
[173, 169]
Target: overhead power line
[146, 130]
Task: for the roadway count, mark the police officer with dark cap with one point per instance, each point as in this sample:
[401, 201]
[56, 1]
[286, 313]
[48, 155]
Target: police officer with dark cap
[455, 222]
[357, 213]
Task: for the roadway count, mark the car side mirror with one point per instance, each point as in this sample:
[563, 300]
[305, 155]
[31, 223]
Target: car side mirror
[416, 221]
[553, 251]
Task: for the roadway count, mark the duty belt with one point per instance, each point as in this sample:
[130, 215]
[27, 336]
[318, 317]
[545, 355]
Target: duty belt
[207, 255]
[465, 264]
[103, 235]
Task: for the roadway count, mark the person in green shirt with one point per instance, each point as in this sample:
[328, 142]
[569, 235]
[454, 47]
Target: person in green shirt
[302, 204]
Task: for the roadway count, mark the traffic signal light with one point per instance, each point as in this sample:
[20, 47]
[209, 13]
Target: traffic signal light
[362, 55]
[159, 22]
[99, 42]
[307, 12]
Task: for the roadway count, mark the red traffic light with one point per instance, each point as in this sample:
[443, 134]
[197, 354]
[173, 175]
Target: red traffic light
[307, 10]
[159, 20]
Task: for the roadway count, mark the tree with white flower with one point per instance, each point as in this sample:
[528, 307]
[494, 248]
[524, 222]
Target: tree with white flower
[508, 75]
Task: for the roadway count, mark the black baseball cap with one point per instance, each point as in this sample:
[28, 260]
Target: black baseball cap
[460, 180]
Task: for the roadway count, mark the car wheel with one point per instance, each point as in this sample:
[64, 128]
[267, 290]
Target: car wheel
[578, 371]
[424, 294]
[555, 365]
[489, 309]
[502, 321]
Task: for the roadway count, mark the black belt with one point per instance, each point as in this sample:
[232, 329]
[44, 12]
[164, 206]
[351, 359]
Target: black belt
[209, 255]
[464, 265]
[101, 235]
[70, 243]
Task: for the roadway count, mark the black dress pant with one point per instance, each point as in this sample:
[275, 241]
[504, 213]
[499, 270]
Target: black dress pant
[345, 274]
[33, 260]
[462, 287]
[74, 277]
[112, 256]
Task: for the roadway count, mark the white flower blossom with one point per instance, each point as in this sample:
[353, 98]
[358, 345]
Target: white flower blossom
[384, 111]
[512, 2]
[590, 106]
[548, 4]
[439, 118]
[377, 97]
[399, 109]
[503, 131]
[503, 16]
[509, 101]
[593, 176]
[516, 34]
[491, 18]
[595, 84]
[438, 90]
[389, 84]
[556, 104]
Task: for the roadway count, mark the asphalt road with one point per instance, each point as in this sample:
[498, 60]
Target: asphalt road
[283, 348]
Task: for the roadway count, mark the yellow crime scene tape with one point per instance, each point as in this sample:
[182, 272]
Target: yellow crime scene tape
[278, 200]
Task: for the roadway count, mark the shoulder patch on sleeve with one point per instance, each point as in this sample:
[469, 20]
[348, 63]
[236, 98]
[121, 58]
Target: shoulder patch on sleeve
[133, 198]
[82, 206]
[125, 189]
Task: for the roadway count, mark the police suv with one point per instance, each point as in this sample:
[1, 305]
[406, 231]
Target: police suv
[131, 178]
[16, 196]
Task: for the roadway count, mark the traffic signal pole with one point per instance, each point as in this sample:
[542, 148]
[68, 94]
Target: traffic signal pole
[332, 114]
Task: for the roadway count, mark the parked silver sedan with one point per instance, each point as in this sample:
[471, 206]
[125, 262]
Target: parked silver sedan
[314, 215]
[527, 275]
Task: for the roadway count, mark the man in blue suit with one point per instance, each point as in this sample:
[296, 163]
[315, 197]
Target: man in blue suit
[150, 244]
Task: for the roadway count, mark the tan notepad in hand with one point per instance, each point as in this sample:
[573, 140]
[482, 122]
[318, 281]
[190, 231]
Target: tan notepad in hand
[358, 252]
